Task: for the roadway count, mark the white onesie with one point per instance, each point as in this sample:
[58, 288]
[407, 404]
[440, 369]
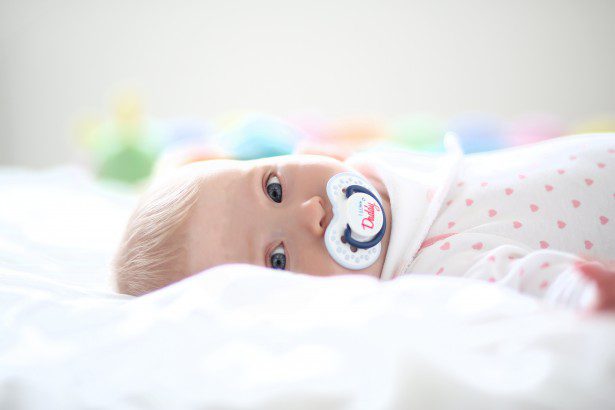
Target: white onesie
[521, 217]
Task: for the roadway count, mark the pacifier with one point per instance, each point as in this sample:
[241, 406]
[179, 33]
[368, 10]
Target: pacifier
[358, 225]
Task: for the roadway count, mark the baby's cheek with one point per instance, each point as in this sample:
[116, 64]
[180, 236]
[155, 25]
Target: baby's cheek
[324, 265]
[318, 263]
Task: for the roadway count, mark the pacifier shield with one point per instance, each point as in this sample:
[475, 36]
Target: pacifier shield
[364, 216]
[358, 211]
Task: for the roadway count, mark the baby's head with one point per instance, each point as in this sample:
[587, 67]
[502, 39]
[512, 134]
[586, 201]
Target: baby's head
[271, 212]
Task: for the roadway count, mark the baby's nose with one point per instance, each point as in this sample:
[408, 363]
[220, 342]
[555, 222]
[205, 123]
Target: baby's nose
[313, 215]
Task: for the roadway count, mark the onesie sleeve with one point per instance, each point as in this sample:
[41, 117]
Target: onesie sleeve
[546, 274]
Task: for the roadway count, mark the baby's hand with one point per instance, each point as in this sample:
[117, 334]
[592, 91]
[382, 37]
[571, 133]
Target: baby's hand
[604, 279]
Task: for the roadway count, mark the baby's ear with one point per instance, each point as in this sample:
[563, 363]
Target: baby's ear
[328, 150]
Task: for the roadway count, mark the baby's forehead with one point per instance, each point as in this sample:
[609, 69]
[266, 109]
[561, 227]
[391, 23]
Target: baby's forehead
[216, 236]
[215, 232]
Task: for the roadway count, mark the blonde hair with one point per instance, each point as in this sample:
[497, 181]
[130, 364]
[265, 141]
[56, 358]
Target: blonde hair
[152, 253]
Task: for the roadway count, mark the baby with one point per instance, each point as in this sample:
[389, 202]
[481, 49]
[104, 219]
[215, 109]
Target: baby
[520, 217]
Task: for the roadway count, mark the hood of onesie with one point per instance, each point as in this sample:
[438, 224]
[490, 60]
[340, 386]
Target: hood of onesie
[417, 184]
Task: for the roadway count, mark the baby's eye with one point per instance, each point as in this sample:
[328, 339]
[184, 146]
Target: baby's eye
[274, 189]
[278, 258]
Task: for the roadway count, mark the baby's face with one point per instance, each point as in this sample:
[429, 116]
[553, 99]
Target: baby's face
[271, 212]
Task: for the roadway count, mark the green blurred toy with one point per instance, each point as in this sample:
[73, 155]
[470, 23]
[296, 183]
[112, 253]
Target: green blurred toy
[125, 148]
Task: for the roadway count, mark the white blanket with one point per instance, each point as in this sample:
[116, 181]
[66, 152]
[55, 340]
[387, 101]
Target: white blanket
[245, 337]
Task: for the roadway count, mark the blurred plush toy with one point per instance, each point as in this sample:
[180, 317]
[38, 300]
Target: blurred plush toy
[478, 132]
[127, 148]
[604, 123]
[124, 148]
[257, 136]
[533, 128]
[341, 137]
[418, 132]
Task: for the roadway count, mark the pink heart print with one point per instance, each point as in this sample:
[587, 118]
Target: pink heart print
[544, 244]
[601, 164]
[469, 202]
[604, 220]
[561, 224]
[508, 191]
[576, 203]
[478, 246]
[588, 245]
[589, 181]
[549, 188]
[517, 224]
[561, 171]
[446, 246]
[534, 207]
[451, 224]
[492, 213]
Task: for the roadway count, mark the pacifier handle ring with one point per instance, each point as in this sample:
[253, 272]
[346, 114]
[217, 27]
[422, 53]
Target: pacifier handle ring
[352, 189]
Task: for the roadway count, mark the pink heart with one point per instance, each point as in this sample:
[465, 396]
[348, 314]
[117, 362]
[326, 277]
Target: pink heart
[561, 224]
[440, 271]
[611, 151]
[491, 258]
[544, 244]
[604, 220]
[549, 188]
[588, 245]
[478, 246]
[544, 265]
[544, 284]
[491, 279]
[521, 176]
[517, 224]
[450, 201]
[451, 224]
[589, 181]
[508, 191]
[561, 171]
[492, 212]
[576, 203]
[483, 184]
[469, 202]
[601, 164]
[573, 157]
[446, 246]
[534, 207]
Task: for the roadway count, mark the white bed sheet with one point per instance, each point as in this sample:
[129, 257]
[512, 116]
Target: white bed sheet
[245, 337]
